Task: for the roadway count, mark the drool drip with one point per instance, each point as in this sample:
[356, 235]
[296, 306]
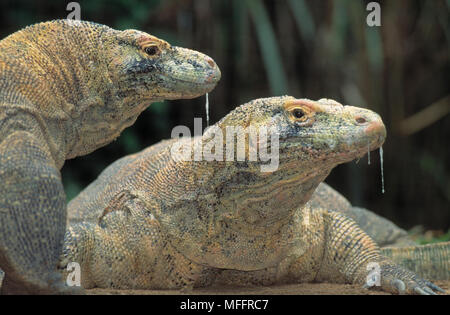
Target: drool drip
[368, 153]
[207, 110]
[382, 174]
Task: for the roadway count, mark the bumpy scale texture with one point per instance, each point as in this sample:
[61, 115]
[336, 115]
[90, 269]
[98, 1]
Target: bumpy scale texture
[155, 220]
[67, 88]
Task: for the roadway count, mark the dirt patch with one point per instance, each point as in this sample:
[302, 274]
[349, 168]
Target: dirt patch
[286, 289]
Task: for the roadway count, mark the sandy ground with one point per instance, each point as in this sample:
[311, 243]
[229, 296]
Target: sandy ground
[287, 289]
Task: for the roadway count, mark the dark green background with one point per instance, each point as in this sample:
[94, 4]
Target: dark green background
[303, 48]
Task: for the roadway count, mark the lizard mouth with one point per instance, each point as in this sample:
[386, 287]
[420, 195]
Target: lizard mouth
[189, 88]
[208, 80]
[346, 150]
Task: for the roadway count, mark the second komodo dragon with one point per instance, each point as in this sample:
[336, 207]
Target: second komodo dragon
[159, 220]
[67, 88]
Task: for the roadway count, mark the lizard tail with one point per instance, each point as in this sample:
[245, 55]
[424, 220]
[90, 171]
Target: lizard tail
[431, 261]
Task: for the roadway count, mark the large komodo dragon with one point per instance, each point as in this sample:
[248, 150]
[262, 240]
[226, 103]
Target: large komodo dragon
[66, 89]
[154, 220]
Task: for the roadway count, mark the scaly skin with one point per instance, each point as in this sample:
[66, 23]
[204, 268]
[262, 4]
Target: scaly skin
[153, 220]
[66, 89]
[429, 261]
[381, 230]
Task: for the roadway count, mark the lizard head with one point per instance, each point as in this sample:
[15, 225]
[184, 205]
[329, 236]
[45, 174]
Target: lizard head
[313, 136]
[299, 142]
[309, 134]
[131, 70]
[147, 69]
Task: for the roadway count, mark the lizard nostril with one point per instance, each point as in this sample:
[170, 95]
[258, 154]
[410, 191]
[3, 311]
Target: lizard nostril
[210, 62]
[361, 120]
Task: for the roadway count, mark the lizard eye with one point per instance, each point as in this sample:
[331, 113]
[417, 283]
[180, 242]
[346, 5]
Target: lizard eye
[298, 113]
[151, 50]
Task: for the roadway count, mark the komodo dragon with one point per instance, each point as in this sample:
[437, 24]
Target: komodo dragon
[155, 221]
[66, 89]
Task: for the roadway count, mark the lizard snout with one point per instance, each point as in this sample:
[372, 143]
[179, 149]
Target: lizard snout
[369, 124]
[374, 128]
[214, 75]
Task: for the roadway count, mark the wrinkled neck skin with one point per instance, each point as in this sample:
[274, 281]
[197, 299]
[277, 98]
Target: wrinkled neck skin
[231, 215]
[104, 114]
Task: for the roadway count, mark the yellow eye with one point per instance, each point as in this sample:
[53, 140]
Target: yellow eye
[301, 111]
[298, 114]
[151, 50]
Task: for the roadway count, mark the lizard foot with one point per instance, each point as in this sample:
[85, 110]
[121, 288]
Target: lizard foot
[398, 280]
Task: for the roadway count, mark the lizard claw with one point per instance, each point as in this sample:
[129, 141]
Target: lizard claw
[415, 286]
[423, 291]
[402, 281]
[434, 287]
[399, 285]
[428, 290]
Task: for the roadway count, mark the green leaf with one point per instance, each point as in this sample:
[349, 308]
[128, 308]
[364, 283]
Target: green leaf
[303, 19]
[269, 47]
[374, 49]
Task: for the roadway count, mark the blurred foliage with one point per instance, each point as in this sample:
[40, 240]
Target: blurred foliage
[428, 237]
[304, 48]
[430, 240]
